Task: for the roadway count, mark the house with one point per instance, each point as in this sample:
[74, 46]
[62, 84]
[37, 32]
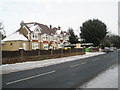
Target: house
[40, 36]
[14, 42]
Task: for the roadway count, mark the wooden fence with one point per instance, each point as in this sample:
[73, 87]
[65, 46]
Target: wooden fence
[38, 52]
[9, 57]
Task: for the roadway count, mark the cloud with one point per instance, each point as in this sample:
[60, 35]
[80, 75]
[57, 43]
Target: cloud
[66, 13]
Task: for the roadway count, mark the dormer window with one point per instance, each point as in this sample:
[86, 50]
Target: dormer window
[37, 30]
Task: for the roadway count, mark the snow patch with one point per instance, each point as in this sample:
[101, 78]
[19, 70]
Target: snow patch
[15, 36]
[107, 79]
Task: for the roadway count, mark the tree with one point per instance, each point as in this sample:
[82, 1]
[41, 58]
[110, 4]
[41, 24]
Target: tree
[106, 42]
[93, 31]
[2, 31]
[112, 40]
[73, 39]
[115, 41]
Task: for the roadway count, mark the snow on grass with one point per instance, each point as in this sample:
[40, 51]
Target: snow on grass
[7, 68]
[107, 79]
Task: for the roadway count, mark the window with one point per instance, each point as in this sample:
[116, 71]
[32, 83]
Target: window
[34, 45]
[35, 36]
[45, 37]
[37, 30]
[45, 46]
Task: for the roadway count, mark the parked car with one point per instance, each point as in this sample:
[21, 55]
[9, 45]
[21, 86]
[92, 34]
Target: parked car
[106, 49]
[115, 48]
[111, 49]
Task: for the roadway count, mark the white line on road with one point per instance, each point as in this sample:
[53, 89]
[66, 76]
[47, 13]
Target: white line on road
[30, 77]
[96, 59]
[105, 55]
[74, 65]
[82, 63]
[77, 64]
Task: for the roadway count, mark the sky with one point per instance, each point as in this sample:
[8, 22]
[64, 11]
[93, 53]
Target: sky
[64, 13]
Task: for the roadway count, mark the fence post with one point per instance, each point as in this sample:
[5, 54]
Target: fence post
[62, 52]
[70, 50]
[91, 49]
[76, 50]
[83, 51]
[38, 52]
[21, 53]
[51, 51]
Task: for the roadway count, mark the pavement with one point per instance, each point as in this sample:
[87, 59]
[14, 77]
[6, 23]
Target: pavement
[106, 79]
[63, 75]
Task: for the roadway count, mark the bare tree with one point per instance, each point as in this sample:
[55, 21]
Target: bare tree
[2, 31]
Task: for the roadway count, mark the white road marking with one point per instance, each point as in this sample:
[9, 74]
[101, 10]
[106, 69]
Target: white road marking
[30, 77]
[74, 65]
[96, 59]
[82, 63]
[77, 64]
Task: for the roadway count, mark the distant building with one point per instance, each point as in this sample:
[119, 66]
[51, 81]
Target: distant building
[33, 35]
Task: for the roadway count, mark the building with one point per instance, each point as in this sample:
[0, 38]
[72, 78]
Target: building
[14, 42]
[38, 36]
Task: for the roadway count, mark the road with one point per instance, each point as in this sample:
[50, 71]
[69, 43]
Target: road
[65, 75]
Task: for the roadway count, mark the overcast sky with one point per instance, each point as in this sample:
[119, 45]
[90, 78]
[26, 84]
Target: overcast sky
[65, 13]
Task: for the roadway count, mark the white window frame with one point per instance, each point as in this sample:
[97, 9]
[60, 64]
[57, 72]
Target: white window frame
[35, 36]
[34, 45]
[45, 46]
[45, 37]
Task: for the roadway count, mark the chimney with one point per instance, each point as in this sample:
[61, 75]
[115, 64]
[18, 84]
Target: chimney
[22, 23]
[50, 26]
[59, 28]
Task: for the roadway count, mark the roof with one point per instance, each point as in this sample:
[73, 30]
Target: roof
[45, 29]
[54, 30]
[16, 36]
[65, 33]
[58, 32]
